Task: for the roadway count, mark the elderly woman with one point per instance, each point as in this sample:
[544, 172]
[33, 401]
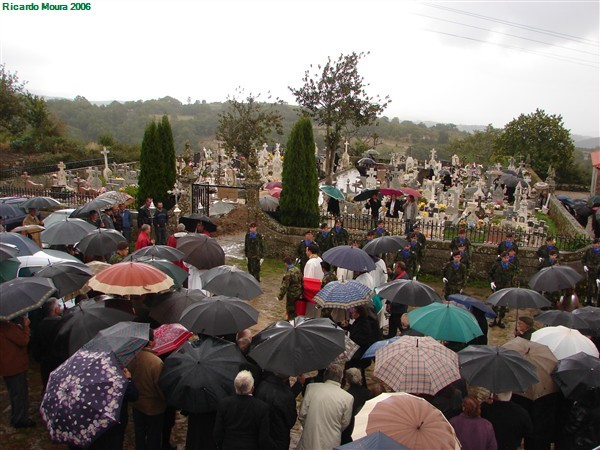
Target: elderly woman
[354, 386]
[364, 331]
[473, 432]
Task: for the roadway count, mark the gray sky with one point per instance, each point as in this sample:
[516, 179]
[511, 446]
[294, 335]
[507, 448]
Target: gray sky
[460, 62]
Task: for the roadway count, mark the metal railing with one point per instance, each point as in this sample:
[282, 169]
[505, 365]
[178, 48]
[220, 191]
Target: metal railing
[14, 172]
[69, 199]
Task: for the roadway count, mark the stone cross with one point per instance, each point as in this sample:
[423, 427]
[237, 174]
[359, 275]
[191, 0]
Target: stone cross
[346, 145]
[433, 154]
[371, 178]
[61, 176]
[106, 172]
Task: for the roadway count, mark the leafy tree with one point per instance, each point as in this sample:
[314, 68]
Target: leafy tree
[300, 191]
[38, 117]
[151, 167]
[541, 136]
[336, 99]
[12, 106]
[478, 147]
[247, 124]
[168, 151]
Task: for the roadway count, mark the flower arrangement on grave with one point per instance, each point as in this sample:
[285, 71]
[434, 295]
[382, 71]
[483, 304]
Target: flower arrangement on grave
[442, 207]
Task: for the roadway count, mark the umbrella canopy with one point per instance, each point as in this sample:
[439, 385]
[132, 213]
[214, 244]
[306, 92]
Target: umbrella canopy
[350, 349]
[564, 342]
[512, 181]
[170, 305]
[230, 281]
[554, 278]
[8, 251]
[40, 203]
[98, 266]
[543, 360]
[176, 273]
[365, 195]
[67, 276]
[576, 374]
[89, 317]
[271, 185]
[350, 258]
[370, 352]
[409, 420]
[83, 398]
[268, 203]
[298, 346]
[333, 192]
[471, 302]
[98, 204]
[66, 232]
[158, 252]
[275, 192]
[201, 251]
[130, 278]
[100, 242]
[124, 339]
[408, 292]
[220, 208]
[497, 369]
[410, 191]
[344, 295]
[201, 373]
[564, 318]
[591, 315]
[419, 365]
[61, 255]
[389, 191]
[366, 162]
[58, 216]
[169, 337]
[373, 441]
[445, 322]
[116, 197]
[371, 152]
[8, 269]
[7, 210]
[219, 315]
[22, 295]
[25, 245]
[29, 229]
[190, 221]
[385, 244]
[518, 298]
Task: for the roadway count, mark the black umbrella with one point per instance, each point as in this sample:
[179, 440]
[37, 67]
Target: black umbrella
[168, 307]
[67, 276]
[518, 298]
[200, 374]
[158, 252]
[230, 281]
[350, 258]
[554, 278]
[22, 295]
[219, 315]
[564, 318]
[201, 251]
[385, 244]
[25, 245]
[100, 242]
[577, 373]
[67, 231]
[408, 292]
[473, 302]
[366, 162]
[495, 368]
[298, 347]
[365, 195]
[98, 204]
[190, 221]
[591, 315]
[40, 203]
[8, 251]
[84, 321]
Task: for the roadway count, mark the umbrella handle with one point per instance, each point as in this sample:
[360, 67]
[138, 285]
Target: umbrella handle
[517, 319]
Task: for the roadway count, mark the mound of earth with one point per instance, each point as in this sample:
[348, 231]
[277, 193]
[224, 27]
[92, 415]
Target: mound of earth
[233, 223]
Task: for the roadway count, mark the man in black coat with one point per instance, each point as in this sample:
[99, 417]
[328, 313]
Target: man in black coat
[510, 421]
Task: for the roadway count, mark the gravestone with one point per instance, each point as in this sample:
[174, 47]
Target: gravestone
[371, 181]
[61, 176]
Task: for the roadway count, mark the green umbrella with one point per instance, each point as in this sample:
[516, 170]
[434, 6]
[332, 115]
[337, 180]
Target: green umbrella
[175, 272]
[333, 192]
[445, 322]
[8, 269]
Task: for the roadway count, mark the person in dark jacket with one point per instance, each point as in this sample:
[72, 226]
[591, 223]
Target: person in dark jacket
[276, 392]
[396, 310]
[364, 331]
[507, 244]
[373, 205]
[360, 393]
[502, 275]
[160, 221]
[242, 421]
[510, 421]
[323, 239]
[43, 340]
[254, 250]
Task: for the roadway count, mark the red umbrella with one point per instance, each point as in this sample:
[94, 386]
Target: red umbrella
[271, 184]
[130, 278]
[410, 191]
[275, 192]
[388, 191]
[170, 337]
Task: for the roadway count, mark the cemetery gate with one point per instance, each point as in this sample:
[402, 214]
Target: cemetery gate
[203, 192]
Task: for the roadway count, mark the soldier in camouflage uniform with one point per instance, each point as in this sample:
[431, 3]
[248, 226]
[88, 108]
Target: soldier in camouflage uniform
[291, 287]
[591, 266]
[420, 237]
[254, 249]
[455, 276]
[502, 275]
[328, 274]
[409, 258]
[461, 239]
[339, 235]
[323, 239]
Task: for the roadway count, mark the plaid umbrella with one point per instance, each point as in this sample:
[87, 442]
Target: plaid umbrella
[343, 295]
[445, 322]
[124, 339]
[169, 337]
[419, 365]
[83, 398]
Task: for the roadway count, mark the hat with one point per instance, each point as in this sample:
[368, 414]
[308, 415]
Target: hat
[526, 320]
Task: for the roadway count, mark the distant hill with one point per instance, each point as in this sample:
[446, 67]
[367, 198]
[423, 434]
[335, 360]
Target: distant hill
[586, 142]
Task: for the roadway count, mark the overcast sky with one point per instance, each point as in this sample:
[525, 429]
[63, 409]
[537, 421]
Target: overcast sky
[461, 62]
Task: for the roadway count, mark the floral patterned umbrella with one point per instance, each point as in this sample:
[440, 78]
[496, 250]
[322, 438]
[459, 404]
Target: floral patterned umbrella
[83, 398]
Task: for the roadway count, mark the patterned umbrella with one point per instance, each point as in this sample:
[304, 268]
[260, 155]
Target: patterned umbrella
[408, 292]
[83, 398]
[170, 305]
[350, 258]
[564, 342]
[343, 295]
[22, 295]
[419, 365]
[130, 278]
[169, 337]
[445, 322]
[124, 339]
[68, 231]
[230, 281]
[219, 315]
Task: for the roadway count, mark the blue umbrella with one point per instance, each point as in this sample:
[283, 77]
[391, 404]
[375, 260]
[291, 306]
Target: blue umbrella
[343, 295]
[370, 353]
[83, 398]
[25, 245]
[373, 441]
[473, 302]
[445, 322]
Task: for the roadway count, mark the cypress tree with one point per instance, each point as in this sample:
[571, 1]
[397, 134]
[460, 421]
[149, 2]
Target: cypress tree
[300, 191]
[168, 157]
[151, 167]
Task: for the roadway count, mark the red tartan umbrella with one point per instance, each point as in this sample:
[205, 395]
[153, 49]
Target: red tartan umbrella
[131, 278]
[170, 337]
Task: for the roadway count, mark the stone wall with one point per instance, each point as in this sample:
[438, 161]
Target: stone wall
[566, 224]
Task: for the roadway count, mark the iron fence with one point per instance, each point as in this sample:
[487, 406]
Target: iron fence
[14, 172]
[69, 199]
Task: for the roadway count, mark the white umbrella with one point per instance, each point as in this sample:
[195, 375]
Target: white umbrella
[564, 342]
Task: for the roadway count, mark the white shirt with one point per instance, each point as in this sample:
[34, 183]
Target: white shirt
[313, 269]
[366, 279]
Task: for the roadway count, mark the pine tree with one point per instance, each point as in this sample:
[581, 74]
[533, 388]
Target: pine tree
[300, 191]
[151, 167]
[168, 157]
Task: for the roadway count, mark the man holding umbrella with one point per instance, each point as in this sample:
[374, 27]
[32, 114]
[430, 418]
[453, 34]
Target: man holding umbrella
[502, 275]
